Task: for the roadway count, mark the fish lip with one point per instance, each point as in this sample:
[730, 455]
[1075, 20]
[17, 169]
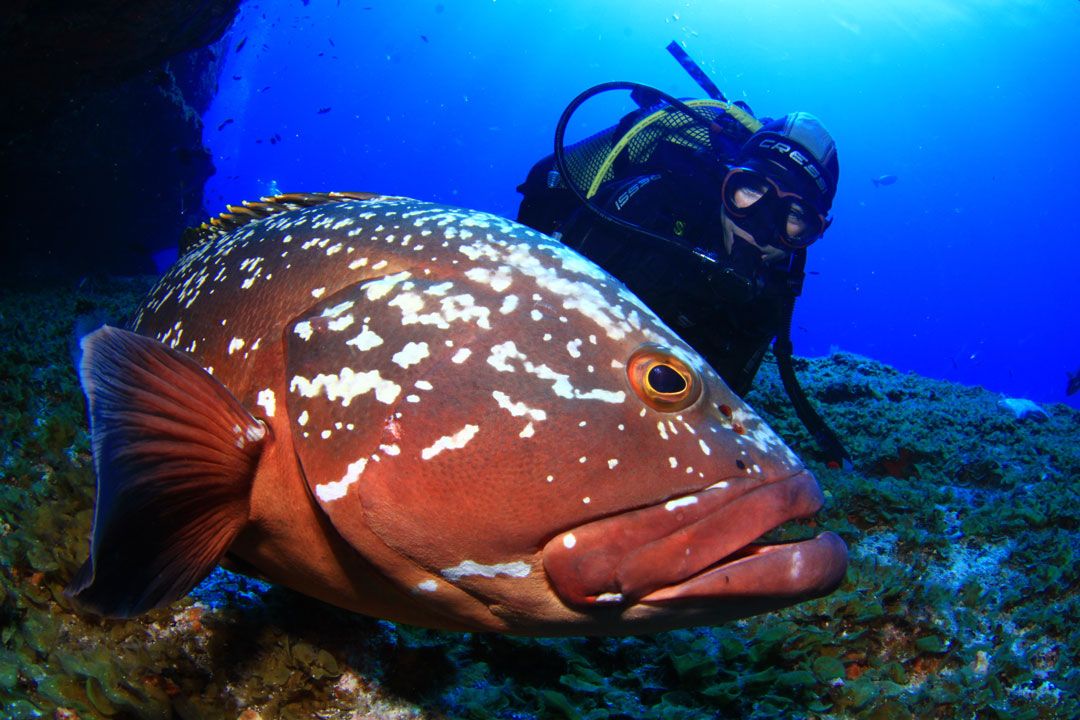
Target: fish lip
[789, 572]
[699, 550]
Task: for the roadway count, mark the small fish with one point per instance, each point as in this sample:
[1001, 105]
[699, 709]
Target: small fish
[435, 416]
[236, 77]
[1073, 385]
[323, 110]
[240, 45]
[884, 180]
[224, 123]
[424, 38]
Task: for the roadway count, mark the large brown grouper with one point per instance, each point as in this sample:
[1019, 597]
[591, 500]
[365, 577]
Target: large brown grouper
[435, 416]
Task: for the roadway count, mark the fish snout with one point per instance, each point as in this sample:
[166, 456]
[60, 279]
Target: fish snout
[698, 547]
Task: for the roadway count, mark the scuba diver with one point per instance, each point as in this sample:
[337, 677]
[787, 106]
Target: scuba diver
[705, 213]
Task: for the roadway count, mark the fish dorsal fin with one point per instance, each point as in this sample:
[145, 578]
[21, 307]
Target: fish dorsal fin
[239, 215]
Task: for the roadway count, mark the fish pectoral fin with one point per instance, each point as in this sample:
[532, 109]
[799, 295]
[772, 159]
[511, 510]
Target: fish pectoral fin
[175, 455]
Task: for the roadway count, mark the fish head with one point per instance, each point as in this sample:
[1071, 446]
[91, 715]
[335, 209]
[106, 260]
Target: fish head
[541, 454]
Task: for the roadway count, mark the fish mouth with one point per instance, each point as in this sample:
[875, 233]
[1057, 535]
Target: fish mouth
[699, 549]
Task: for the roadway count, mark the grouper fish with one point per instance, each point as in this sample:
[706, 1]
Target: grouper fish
[435, 416]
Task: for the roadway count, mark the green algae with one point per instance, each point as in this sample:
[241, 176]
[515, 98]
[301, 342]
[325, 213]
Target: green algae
[959, 602]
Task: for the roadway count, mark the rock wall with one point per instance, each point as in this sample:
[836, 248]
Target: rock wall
[101, 144]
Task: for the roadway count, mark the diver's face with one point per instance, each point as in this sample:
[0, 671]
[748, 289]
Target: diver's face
[731, 230]
[769, 217]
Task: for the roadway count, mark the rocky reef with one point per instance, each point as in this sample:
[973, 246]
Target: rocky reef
[961, 515]
[101, 134]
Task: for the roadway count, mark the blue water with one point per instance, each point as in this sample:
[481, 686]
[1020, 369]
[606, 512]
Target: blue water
[965, 269]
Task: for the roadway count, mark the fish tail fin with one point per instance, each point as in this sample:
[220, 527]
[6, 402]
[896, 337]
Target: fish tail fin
[175, 455]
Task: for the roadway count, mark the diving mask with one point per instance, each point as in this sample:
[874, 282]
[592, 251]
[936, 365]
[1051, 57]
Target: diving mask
[793, 221]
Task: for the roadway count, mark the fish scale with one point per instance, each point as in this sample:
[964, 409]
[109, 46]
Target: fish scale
[456, 395]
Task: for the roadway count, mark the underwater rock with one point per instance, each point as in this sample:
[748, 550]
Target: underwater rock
[836, 392]
[130, 113]
[1023, 408]
[55, 53]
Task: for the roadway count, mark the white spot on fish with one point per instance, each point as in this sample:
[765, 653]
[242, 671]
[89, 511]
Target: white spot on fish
[339, 324]
[569, 541]
[347, 385]
[609, 597]
[461, 356]
[235, 344]
[796, 564]
[411, 354]
[528, 431]
[469, 568]
[517, 409]
[680, 502]
[450, 442]
[267, 402]
[318, 292]
[379, 288]
[440, 289]
[704, 448]
[499, 279]
[330, 491]
[501, 353]
[612, 463]
[427, 586]
[366, 340]
[509, 304]
[303, 419]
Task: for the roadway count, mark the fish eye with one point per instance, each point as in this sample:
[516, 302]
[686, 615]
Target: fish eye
[662, 380]
[665, 379]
